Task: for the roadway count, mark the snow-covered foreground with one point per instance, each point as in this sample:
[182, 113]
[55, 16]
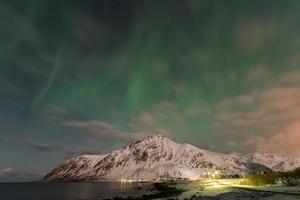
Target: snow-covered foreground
[230, 190]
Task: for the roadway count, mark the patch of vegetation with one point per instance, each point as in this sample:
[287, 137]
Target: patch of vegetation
[289, 178]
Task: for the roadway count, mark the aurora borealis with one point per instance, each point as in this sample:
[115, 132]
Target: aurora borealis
[90, 76]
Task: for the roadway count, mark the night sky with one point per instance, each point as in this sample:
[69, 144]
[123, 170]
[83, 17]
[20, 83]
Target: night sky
[81, 77]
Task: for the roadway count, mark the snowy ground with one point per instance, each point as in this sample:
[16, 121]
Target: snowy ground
[231, 190]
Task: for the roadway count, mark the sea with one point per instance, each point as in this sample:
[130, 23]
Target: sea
[71, 191]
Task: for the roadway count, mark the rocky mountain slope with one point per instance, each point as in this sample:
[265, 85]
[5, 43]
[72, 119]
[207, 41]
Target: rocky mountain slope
[275, 162]
[151, 158]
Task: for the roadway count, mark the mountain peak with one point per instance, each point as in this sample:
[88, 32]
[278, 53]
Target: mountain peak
[156, 137]
[156, 142]
[152, 139]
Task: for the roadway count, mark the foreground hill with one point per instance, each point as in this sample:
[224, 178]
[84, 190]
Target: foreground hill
[151, 158]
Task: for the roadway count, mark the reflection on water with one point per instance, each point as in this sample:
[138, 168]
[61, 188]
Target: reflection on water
[70, 191]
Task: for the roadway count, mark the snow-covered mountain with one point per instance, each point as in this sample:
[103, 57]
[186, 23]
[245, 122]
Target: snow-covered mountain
[151, 158]
[275, 162]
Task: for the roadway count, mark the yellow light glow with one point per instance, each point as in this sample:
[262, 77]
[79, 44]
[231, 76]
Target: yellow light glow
[127, 180]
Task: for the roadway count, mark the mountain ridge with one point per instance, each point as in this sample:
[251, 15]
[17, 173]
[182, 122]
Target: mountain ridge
[158, 157]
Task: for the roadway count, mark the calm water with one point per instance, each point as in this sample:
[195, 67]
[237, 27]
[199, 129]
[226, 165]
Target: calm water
[70, 191]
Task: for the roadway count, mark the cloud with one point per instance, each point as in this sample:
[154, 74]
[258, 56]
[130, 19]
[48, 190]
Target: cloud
[95, 129]
[53, 115]
[257, 73]
[168, 116]
[54, 110]
[236, 102]
[6, 170]
[251, 117]
[291, 77]
[103, 131]
[284, 141]
[198, 111]
[10, 175]
[68, 150]
[266, 120]
[45, 147]
[253, 34]
[50, 147]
